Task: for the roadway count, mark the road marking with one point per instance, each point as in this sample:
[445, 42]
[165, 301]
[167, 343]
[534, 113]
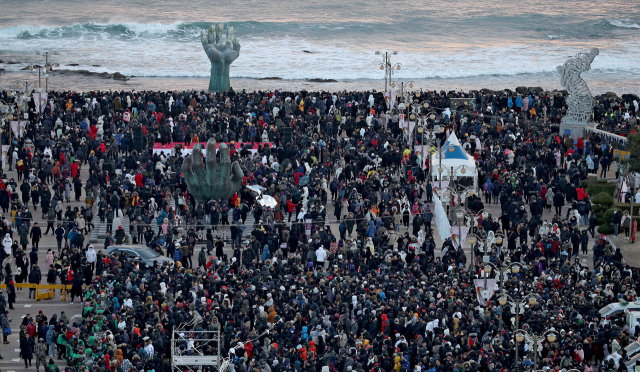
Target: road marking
[77, 316]
[28, 305]
[15, 359]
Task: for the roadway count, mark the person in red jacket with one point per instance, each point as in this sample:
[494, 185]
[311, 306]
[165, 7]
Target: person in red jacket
[74, 169]
[139, 180]
[290, 208]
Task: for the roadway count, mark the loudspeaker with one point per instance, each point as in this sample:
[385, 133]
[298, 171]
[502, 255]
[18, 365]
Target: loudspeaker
[286, 135]
[137, 138]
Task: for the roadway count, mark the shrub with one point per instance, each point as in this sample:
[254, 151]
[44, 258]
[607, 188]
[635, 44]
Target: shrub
[601, 221]
[608, 215]
[603, 198]
[600, 187]
[627, 207]
[598, 209]
[584, 184]
[605, 229]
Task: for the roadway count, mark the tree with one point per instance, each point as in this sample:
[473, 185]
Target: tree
[633, 146]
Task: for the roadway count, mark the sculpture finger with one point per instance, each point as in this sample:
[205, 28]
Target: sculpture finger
[211, 155]
[187, 168]
[236, 174]
[236, 45]
[219, 30]
[197, 164]
[229, 33]
[225, 161]
[211, 35]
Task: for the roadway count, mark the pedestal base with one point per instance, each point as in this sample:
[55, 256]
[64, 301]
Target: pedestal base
[573, 129]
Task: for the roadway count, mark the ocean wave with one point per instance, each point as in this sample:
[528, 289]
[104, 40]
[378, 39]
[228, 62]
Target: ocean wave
[624, 23]
[176, 29]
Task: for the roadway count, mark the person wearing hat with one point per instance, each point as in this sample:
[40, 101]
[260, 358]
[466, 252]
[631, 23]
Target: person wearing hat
[41, 353]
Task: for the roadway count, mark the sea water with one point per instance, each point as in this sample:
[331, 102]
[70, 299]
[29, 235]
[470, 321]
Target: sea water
[441, 44]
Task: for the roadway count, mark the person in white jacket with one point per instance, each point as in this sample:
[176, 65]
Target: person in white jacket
[321, 256]
[6, 244]
[91, 258]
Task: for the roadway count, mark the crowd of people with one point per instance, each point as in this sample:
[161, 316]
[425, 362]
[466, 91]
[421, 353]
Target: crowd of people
[355, 280]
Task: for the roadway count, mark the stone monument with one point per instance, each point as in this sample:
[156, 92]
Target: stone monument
[221, 54]
[205, 179]
[580, 101]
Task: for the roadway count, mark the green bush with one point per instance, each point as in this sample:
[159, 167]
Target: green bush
[601, 221]
[600, 187]
[584, 184]
[605, 229]
[596, 208]
[608, 215]
[627, 207]
[603, 198]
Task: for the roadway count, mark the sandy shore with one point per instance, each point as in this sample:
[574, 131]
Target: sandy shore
[598, 83]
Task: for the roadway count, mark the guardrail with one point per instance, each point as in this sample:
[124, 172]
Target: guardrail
[49, 290]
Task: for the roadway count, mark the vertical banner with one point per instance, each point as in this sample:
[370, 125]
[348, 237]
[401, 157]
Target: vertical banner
[484, 294]
[15, 128]
[5, 150]
[437, 188]
[307, 228]
[40, 100]
[21, 128]
[464, 231]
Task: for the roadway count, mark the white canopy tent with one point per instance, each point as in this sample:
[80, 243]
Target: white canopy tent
[453, 157]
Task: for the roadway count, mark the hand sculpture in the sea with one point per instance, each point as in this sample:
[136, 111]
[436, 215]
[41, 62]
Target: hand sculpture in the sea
[221, 54]
[205, 180]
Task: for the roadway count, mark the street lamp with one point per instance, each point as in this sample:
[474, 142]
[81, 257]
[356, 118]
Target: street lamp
[501, 269]
[48, 67]
[534, 341]
[402, 85]
[387, 66]
[451, 192]
[6, 113]
[517, 307]
[484, 237]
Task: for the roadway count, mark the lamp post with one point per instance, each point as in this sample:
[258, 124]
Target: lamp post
[501, 269]
[387, 66]
[432, 134]
[536, 340]
[462, 215]
[48, 67]
[451, 191]
[402, 85]
[474, 238]
[519, 307]
[6, 113]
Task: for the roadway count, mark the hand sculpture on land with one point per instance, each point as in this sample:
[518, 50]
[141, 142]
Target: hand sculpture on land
[221, 54]
[205, 180]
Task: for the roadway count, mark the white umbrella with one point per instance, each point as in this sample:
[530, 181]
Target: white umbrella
[267, 201]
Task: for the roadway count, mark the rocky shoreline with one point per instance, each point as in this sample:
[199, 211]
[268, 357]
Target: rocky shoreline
[67, 72]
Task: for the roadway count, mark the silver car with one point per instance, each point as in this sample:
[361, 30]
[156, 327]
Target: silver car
[139, 252]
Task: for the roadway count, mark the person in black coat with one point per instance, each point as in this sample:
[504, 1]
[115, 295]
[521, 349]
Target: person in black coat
[76, 286]
[36, 234]
[26, 349]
